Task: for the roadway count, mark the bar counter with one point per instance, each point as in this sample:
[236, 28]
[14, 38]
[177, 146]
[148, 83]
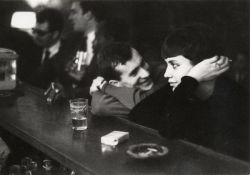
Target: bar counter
[48, 129]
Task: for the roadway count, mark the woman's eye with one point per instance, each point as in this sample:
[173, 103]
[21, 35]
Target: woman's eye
[175, 66]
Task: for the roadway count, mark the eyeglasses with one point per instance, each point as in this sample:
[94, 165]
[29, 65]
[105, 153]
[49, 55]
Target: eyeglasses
[39, 32]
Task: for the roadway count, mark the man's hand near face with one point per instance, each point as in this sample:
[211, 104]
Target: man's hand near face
[97, 84]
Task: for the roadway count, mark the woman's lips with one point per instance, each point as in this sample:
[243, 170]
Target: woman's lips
[172, 83]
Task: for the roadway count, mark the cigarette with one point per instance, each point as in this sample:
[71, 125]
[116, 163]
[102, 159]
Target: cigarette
[53, 86]
[47, 91]
[152, 149]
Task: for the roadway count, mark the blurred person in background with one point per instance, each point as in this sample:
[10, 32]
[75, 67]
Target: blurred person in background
[23, 44]
[53, 52]
[81, 69]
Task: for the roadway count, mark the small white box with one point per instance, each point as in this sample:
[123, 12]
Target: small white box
[114, 138]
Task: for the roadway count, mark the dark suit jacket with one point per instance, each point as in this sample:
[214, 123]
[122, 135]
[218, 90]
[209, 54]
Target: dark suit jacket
[29, 53]
[52, 69]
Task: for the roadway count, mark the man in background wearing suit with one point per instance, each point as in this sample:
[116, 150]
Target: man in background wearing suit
[82, 69]
[52, 54]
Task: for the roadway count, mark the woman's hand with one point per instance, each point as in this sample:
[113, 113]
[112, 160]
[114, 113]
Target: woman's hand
[210, 69]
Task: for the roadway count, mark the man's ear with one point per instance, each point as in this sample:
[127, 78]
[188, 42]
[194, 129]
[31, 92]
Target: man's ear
[88, 15]
[115, 83]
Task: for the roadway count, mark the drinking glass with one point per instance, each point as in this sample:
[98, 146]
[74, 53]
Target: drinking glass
[79, 112]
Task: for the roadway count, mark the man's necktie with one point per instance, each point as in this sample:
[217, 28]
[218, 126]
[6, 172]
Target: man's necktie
[46, 56]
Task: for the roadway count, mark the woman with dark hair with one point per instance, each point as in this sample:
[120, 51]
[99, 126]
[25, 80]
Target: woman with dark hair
[211, 111]
[215, 114]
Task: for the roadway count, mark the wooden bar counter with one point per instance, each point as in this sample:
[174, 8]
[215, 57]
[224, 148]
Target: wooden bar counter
[48, 128]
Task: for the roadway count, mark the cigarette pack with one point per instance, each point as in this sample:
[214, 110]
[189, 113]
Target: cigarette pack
[114, 138]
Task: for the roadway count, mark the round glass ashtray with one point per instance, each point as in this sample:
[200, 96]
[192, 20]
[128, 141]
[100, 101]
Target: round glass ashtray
[146, 151]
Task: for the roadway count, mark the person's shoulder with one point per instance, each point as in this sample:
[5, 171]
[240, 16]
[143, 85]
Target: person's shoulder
[106, 105]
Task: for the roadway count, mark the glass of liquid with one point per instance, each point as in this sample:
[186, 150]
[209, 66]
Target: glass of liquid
[79, 112]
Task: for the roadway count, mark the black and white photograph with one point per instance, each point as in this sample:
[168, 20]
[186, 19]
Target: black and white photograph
[124, 87]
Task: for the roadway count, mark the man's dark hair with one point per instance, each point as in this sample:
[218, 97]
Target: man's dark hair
[97, 8]
[110, 56]
[195, 42]
[53, 17]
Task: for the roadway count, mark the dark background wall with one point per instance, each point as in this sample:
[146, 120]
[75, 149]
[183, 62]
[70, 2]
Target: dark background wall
[150, 21]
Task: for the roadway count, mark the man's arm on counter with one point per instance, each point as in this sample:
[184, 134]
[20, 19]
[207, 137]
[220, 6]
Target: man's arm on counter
[106, 105]
[129, 97]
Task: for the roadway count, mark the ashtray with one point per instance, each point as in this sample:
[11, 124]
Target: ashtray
[146, 151]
